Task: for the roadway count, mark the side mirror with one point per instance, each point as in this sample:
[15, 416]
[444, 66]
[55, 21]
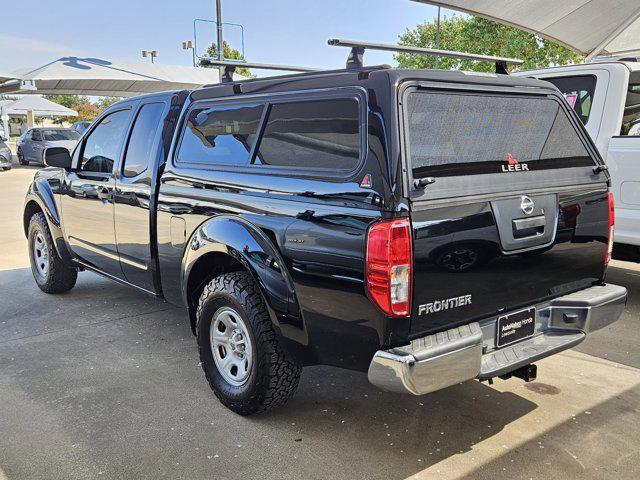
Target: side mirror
[57, 157]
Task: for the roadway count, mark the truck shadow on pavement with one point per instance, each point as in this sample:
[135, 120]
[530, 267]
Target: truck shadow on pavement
[105, 365]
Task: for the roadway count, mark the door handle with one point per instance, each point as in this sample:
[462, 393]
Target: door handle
[104, 193]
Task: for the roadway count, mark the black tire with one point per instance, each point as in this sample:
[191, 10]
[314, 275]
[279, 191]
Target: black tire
[273, 376]
[21, 158]
[58, 277]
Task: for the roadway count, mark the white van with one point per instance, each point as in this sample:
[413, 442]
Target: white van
[606, 96]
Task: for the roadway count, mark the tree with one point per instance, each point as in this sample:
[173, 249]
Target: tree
[104, 102]
[87, 111]
[229, 54]
[481, 36]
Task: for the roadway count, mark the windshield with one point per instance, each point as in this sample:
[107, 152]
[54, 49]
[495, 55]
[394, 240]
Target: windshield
[55, 135]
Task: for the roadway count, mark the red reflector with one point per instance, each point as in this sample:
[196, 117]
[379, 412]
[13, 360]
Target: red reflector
[389, 266]
[612, 220]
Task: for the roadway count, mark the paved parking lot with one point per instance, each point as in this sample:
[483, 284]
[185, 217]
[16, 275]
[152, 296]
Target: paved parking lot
[104, 382]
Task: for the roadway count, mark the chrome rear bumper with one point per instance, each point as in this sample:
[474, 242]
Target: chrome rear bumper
[445, 358]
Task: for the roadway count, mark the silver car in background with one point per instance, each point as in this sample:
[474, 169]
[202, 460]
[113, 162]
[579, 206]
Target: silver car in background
[5, 154]
[32, 143]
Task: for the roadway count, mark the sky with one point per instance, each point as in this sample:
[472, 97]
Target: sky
[292, 32]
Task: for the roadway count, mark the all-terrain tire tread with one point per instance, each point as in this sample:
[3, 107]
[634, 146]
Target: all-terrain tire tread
[279, 373]
[61, 277]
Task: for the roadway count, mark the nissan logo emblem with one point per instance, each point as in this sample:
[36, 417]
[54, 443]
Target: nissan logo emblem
[526, 205]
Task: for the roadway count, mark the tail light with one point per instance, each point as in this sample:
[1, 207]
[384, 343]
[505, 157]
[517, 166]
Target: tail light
[612, 218]
[389, 266]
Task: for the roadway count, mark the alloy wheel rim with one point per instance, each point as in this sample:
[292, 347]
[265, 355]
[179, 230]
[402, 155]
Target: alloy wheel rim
[40, 254]
[231, 346]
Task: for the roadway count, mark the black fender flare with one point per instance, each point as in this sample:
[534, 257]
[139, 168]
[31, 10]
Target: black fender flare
[250, 246]
[41, 193]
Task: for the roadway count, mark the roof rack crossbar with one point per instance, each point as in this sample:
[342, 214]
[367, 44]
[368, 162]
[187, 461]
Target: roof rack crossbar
[230, 67]
[358, 48]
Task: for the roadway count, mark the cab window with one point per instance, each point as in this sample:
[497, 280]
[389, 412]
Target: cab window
[141, 142]
[578, 90]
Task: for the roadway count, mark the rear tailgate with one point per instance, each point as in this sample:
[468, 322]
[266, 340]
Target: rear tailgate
[515, 215]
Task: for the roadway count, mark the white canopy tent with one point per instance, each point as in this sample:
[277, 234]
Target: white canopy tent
[589, 27]
[99, 77]
[4, 76]
[32, 106]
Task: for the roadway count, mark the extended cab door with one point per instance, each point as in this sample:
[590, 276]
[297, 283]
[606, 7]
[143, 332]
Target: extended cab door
[134, 188]
[87, 204]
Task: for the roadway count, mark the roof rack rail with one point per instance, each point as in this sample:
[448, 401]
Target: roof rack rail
[230, 67]
[357, 53]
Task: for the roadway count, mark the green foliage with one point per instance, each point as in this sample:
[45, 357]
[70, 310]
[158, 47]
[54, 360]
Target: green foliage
[86, 109]
[228, 54]
[104, 102]
[69, 101]
[481, 36]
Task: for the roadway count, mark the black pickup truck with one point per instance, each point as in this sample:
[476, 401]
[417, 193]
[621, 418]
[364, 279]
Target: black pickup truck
[426, 227]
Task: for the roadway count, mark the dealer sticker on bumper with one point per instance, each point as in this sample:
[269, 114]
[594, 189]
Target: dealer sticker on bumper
[515, 326]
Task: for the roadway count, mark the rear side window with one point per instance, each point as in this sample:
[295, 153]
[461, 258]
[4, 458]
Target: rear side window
[631, 118]
[220, 135]
[56, 135]
[579, 91]
[457, 134]
[314, 134]
[141, 142]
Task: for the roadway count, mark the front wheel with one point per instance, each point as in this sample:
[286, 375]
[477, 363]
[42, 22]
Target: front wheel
[241, 355]
[51, 273]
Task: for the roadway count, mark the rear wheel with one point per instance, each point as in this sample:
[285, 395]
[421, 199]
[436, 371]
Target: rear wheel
[51, 273]
[21, 158]
[241, 355]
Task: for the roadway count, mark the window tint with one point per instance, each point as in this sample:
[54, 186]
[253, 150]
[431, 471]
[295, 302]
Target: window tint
[220, 135]
[55, 135]
[36, 135]
[631, 118]
[102, 147]
[463, 134]
[141, 142]
[318, 134]
[579, 91]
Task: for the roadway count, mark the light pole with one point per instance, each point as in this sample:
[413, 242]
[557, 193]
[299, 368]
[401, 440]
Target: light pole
[188, 45]
[150, 53]
[220, 42]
